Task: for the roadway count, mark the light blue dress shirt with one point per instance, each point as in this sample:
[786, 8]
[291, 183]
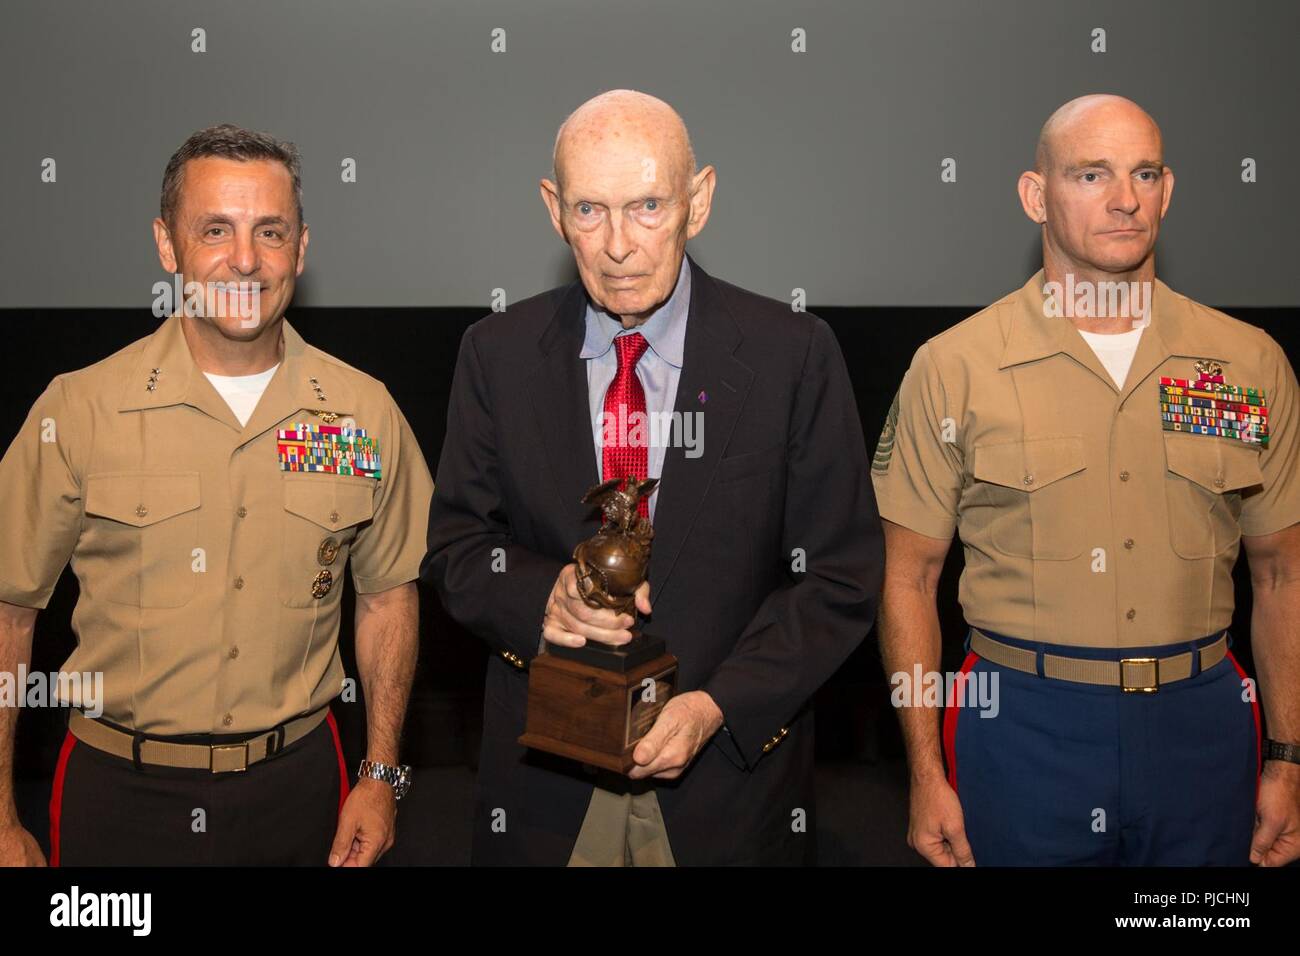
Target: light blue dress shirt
[658, 370]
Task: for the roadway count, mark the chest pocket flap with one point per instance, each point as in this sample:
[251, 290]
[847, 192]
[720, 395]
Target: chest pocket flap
[333, 502]
[1206, 477]
[1216, 464]
[1023, 501]
[138, 543]
[141, 499]
[1028, 465]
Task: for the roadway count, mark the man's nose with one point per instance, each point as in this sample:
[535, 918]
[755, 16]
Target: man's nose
[1124, 197]
[244, 257]
[618, 244]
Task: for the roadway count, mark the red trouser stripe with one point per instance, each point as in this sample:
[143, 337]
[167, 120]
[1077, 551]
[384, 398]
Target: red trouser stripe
[56, 796]
[1259, 730]
[950, 722]
[343, 768]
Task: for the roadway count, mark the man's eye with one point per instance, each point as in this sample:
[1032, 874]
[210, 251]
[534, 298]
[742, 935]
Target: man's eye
[584, 209]
[1149, 174]
[214, 231]
[1089, 177]
[652, 205]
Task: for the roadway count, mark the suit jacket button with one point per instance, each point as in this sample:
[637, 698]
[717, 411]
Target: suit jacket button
[767, 747]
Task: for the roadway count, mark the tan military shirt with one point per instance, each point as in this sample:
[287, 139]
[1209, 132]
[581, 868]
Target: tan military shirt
[210, 575]
[1086, 517]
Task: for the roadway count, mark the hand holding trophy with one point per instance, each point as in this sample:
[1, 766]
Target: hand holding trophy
[593, 703]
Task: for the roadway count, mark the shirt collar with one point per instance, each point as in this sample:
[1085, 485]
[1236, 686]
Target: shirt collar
[664, 331]
[1034, 335]
[303, 381]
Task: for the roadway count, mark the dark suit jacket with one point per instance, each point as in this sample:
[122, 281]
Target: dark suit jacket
[784, 472]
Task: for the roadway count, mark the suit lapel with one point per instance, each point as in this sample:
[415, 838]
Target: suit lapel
[558, 386]
[715, 383]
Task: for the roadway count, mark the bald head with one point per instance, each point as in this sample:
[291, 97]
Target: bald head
[628, 116]
[1084, 115]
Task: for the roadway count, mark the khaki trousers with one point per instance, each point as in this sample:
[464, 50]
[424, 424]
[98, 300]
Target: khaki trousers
[623, 827]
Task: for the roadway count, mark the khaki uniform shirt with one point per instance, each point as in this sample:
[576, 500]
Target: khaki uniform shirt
[210, 575]
[1091, 515]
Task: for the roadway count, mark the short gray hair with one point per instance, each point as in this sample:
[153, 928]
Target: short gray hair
[228, 142]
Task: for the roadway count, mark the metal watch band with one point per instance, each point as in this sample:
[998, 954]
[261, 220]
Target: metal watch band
[1276, 750]
[399, 777]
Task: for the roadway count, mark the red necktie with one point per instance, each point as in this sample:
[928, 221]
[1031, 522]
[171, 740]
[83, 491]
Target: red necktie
[625, 413]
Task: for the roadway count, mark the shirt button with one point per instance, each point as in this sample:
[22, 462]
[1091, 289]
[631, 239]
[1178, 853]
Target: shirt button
[1130, 614]
[239, 583]
[227, 720]
[1218, 482]
[1029, 479]
[1123, 476]
[242, 512]
[234, 652]
[141, 511]
[334, 517]
[1128, 543]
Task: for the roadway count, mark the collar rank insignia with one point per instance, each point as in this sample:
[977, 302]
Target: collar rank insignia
[331, 449]
[1207, 405]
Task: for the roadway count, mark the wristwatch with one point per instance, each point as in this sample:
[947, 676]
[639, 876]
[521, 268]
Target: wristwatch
[1276, 750]
[399, 777]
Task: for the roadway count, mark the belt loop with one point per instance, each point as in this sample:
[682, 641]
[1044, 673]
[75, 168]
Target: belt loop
[136, 740]
[1196, 658]
[1038, 660]
[275, 741]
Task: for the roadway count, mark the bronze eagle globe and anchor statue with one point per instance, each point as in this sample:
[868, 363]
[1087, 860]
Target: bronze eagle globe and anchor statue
[594, 703]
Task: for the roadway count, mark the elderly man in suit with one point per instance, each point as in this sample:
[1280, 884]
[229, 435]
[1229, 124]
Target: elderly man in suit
[767, 556]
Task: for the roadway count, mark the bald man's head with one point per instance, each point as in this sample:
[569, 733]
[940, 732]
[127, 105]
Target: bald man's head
[613, 113]
[1085, 112]
[626, 198]
[1100, 187]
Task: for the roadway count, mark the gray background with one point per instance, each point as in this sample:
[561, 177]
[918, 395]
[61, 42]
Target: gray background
[828, 161]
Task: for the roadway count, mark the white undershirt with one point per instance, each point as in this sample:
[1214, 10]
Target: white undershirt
[1115, 351]
[242, 392]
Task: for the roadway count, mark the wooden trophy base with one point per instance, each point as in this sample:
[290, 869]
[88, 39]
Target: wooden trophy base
[594, 704]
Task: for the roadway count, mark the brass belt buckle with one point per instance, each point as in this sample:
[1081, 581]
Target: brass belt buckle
[243, 763]
[1139, 688]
